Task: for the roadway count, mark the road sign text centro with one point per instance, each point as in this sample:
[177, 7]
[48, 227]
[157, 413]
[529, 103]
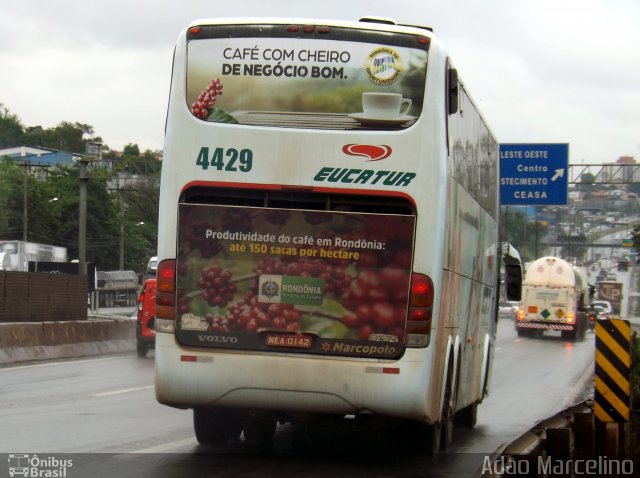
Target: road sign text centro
[533, 174]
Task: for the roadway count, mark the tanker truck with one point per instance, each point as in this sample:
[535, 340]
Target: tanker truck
[555, 296]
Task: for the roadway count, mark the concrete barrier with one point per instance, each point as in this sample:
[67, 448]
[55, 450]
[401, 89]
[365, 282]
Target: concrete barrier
[29, 341]
[568, 444]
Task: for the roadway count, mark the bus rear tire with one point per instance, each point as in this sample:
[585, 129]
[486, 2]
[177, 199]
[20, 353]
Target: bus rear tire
[214, 426]
[260, 433]
[468, 416]
[422, 438]
[448, 412]
[433, 435]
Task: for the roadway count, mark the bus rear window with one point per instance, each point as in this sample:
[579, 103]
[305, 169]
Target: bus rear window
[340, 79]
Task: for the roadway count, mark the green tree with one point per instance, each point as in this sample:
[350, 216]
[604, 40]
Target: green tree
[131, 149]
[11, 199]
[634, 188]
[526, 236]
[11, 130]
[140, 221]
[103, 226]
[65, 137]
[586, 184]
[635, 235]
[70, 136]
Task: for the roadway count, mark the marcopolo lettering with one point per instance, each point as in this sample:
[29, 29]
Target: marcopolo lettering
[364, 349]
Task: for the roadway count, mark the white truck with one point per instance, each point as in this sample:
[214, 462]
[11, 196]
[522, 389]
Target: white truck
[16, 255]
[117, 288]
[555, 296]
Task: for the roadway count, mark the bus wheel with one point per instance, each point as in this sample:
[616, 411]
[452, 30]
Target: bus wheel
[448, 415]
[142, 348]
[433, 439]
[215, 426]
[468, 416]
[260, 433]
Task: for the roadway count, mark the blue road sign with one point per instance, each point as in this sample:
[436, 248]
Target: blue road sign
[534, 174]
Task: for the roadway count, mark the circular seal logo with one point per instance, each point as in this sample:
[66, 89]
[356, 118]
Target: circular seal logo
[383, 66]
[270, 289]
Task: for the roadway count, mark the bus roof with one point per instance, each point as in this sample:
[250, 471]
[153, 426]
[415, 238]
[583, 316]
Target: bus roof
[365, 23]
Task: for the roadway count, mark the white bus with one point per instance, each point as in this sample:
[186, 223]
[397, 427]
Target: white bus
[328, 236]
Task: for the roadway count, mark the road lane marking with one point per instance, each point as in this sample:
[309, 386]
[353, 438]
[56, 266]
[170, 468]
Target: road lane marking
[124, 390]
[53, 364]
[176, 446]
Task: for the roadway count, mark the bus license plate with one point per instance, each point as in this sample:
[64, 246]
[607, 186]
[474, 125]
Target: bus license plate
[300, 341]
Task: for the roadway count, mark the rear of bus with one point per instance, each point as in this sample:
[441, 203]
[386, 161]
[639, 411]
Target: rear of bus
[299, 243]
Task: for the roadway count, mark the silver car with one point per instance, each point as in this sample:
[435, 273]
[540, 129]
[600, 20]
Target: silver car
[508, 309]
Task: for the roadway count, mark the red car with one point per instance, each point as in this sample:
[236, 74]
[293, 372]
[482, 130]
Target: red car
[145, 333]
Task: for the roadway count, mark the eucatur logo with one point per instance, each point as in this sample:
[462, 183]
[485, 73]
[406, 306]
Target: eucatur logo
[372, 151]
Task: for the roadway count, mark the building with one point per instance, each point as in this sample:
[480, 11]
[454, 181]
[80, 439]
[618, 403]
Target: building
[38, 160]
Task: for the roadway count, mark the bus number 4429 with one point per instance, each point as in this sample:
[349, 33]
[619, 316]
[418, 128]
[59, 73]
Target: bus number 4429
[229, 160]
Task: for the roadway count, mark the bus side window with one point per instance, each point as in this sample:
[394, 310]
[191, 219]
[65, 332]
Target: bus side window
[452, 91]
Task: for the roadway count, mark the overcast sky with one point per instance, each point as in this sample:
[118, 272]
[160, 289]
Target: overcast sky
[541, 71]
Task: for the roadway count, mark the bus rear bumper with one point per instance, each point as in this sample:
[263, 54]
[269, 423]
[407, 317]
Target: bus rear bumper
[290, 384]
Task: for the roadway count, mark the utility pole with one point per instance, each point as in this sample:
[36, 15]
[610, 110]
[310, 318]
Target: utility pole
[25, 201]
[121, 263]
[82, 218]
[94, 152]
[120, 189]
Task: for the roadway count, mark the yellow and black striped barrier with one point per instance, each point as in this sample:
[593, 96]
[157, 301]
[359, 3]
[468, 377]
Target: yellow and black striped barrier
[613, 364]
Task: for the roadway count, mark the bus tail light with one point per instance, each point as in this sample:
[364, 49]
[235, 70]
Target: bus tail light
[420, 310]
[166, 296]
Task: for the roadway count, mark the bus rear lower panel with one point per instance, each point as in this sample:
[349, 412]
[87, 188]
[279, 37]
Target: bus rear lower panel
[292, 386]
[325, 278]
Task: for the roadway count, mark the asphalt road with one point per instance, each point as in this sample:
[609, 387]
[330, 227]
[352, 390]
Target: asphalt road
[101, 414]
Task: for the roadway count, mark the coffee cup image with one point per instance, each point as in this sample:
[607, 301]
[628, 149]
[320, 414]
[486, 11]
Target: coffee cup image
[381, 105]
